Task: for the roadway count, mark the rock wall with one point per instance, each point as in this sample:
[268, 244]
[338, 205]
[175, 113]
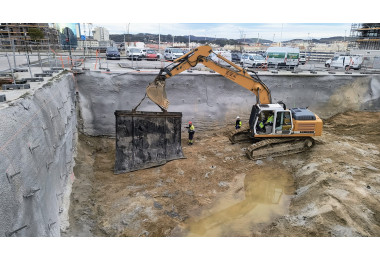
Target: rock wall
[210, 100]
[37, 144]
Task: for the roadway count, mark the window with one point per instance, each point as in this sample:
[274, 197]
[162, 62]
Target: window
[283, 121]
[177, 51]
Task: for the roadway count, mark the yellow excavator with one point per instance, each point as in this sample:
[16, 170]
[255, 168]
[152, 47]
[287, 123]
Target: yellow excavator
[273, 129]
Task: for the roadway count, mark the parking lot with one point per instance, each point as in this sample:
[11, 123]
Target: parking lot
[98, 61]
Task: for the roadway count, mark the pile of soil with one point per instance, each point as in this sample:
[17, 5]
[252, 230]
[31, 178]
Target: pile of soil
[332, 190]
[338, 182]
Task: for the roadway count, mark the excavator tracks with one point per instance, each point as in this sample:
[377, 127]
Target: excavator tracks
[278, 147]
[239, 135]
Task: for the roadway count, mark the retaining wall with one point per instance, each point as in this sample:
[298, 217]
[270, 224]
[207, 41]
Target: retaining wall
[37, 143]
[210, 100]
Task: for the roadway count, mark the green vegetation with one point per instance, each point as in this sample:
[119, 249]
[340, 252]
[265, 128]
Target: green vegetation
[35, 34]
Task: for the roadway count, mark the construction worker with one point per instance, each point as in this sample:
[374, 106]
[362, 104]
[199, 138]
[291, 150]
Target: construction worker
[260, 126]
[238, 123]
[191, 132]
[269, 123]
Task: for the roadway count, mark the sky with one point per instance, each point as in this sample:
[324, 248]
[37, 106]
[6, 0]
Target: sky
[269, 31]
[276, 20]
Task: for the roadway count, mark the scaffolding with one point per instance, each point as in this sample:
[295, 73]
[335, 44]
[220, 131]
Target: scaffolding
[365, 36]
[15, 36]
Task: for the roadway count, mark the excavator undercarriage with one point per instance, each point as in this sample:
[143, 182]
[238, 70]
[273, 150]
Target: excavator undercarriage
[269, 147]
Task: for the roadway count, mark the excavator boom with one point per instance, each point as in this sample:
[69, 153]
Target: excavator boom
[156, 90]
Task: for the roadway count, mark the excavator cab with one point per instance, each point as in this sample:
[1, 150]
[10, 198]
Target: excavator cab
[281, 123]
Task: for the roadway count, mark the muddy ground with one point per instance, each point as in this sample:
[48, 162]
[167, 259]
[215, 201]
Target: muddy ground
[332, 190]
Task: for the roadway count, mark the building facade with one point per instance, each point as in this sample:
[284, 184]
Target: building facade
[91, 44]
[101, 34]
[19, 36]
[365, 36]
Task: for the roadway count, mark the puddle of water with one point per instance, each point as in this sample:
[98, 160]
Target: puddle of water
[265, 196]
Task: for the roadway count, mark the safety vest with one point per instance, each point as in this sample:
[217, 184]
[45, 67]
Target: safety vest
[239, 123]
[261, 125]
[191, 129]
[270, 119]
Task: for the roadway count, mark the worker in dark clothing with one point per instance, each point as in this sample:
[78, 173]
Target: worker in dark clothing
[238, 123]
[191, 132]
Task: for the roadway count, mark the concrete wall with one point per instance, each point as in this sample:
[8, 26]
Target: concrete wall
[37, 141]
[210, 100]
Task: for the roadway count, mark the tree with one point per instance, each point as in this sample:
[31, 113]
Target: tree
[35, 34]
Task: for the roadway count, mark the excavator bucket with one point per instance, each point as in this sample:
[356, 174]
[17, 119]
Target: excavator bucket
[156, 92]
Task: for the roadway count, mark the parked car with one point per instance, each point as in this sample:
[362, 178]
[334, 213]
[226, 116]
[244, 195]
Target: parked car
[135, 53]
[173, 53]
[302, 58]
[112, 53]
[151, 54]
[253, 60]
[345, 61]
[236, 56]
[143, 52]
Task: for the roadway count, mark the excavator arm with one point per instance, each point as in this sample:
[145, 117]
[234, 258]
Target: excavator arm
[156, 90]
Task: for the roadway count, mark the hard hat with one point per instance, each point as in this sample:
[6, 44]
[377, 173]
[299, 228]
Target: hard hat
[237, 117]
[190, 122]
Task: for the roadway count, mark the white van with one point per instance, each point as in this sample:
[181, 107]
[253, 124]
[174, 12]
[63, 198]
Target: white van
[345, 61]
[173, 53]
[283, 57]
[252, 60]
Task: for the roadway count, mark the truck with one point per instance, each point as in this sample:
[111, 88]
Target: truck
[283, 57]
[273, 129]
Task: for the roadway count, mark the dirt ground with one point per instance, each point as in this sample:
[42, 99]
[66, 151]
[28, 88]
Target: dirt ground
[332, 190]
